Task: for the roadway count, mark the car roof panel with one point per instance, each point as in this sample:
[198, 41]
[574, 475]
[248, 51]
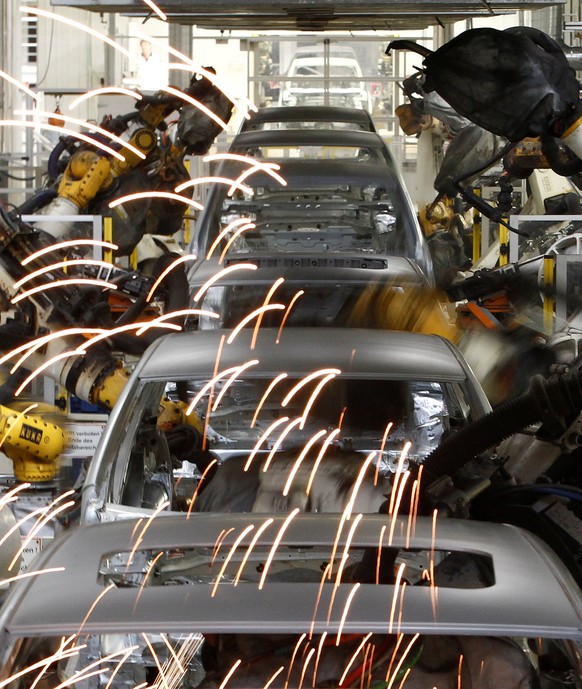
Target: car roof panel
[532, 594]
[356, 352]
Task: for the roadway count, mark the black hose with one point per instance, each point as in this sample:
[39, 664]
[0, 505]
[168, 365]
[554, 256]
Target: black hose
[53, 161]
[176, 283]
[546, 400]
[40, 199]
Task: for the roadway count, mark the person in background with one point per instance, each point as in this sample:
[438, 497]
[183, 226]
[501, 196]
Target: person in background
[152, 72]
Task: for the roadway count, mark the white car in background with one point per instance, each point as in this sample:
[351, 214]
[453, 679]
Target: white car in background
[309, 71]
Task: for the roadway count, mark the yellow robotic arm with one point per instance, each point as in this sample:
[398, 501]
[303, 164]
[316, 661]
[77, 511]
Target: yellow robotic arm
[31, 443]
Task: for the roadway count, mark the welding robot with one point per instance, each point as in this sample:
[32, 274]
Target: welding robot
[82, 179]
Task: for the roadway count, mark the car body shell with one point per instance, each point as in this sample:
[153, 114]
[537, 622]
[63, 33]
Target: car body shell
[360, 355]
[309, 116]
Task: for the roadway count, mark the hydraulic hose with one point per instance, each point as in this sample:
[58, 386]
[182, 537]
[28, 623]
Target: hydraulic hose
[547, 400]
[40, 199]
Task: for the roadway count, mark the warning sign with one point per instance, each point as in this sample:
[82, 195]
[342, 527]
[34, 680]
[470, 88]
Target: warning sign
[82, 438]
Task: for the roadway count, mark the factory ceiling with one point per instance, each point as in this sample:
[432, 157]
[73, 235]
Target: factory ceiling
[314, 15]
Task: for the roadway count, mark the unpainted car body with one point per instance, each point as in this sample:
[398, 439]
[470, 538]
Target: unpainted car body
[240, 385]
[260, 601]
[308, 117]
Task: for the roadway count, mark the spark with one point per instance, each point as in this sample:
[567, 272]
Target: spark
[214, 373]
[296, 296]
[39, 369]
[229, 674]
[229, 556]
[25, 575]
[268, 297]
[304, 669]
[219, 541]
[152, 5]
[367, 665]
[317, 659]
[41, 341]
[399, 640]
[401, 662]
[19, 85]
[146, 526]
[149, 570]
[305, 381]
[60, 654]
[11, 496]
[214, 380]
[405, 677]
[118, 667]
[63, 283]
[253, 170]
[175, 314]
[326, 443]
[350, 506]
[94, 604]
[139, 327]
[325, 575]
[223, 233]
[174, 264]
[353, 658]
[459, 671]
[255, 165]
[432, 584]
[76, 25]
[252, 544]
[190, 66]
[401, 604]
[66, 244]
[250, 316]
[277, 444]
[267, 392]
[87, 125]
[416, 499]
[401, 485]
[61, 264]
[40, 523]
[225, 271]
[345, 612]
[382, 445]
[161, 673]
[262, 439]
[346, 552]
[395, 595]
[311, 401]
[378, 559]
[300, 459]
[295, 650]
[273, 677]
[155, 195]
[63, 130]
[196, 103]
[275, 545]
[102, 91]
[233, 238]
[215, 180]
[397, 475]
[411, 514]
[199, 485]
[239, 371]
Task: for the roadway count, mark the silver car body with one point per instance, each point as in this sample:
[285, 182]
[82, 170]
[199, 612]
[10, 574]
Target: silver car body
[419, 382]
[309, 117]
[342, 197]
[243, 583]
